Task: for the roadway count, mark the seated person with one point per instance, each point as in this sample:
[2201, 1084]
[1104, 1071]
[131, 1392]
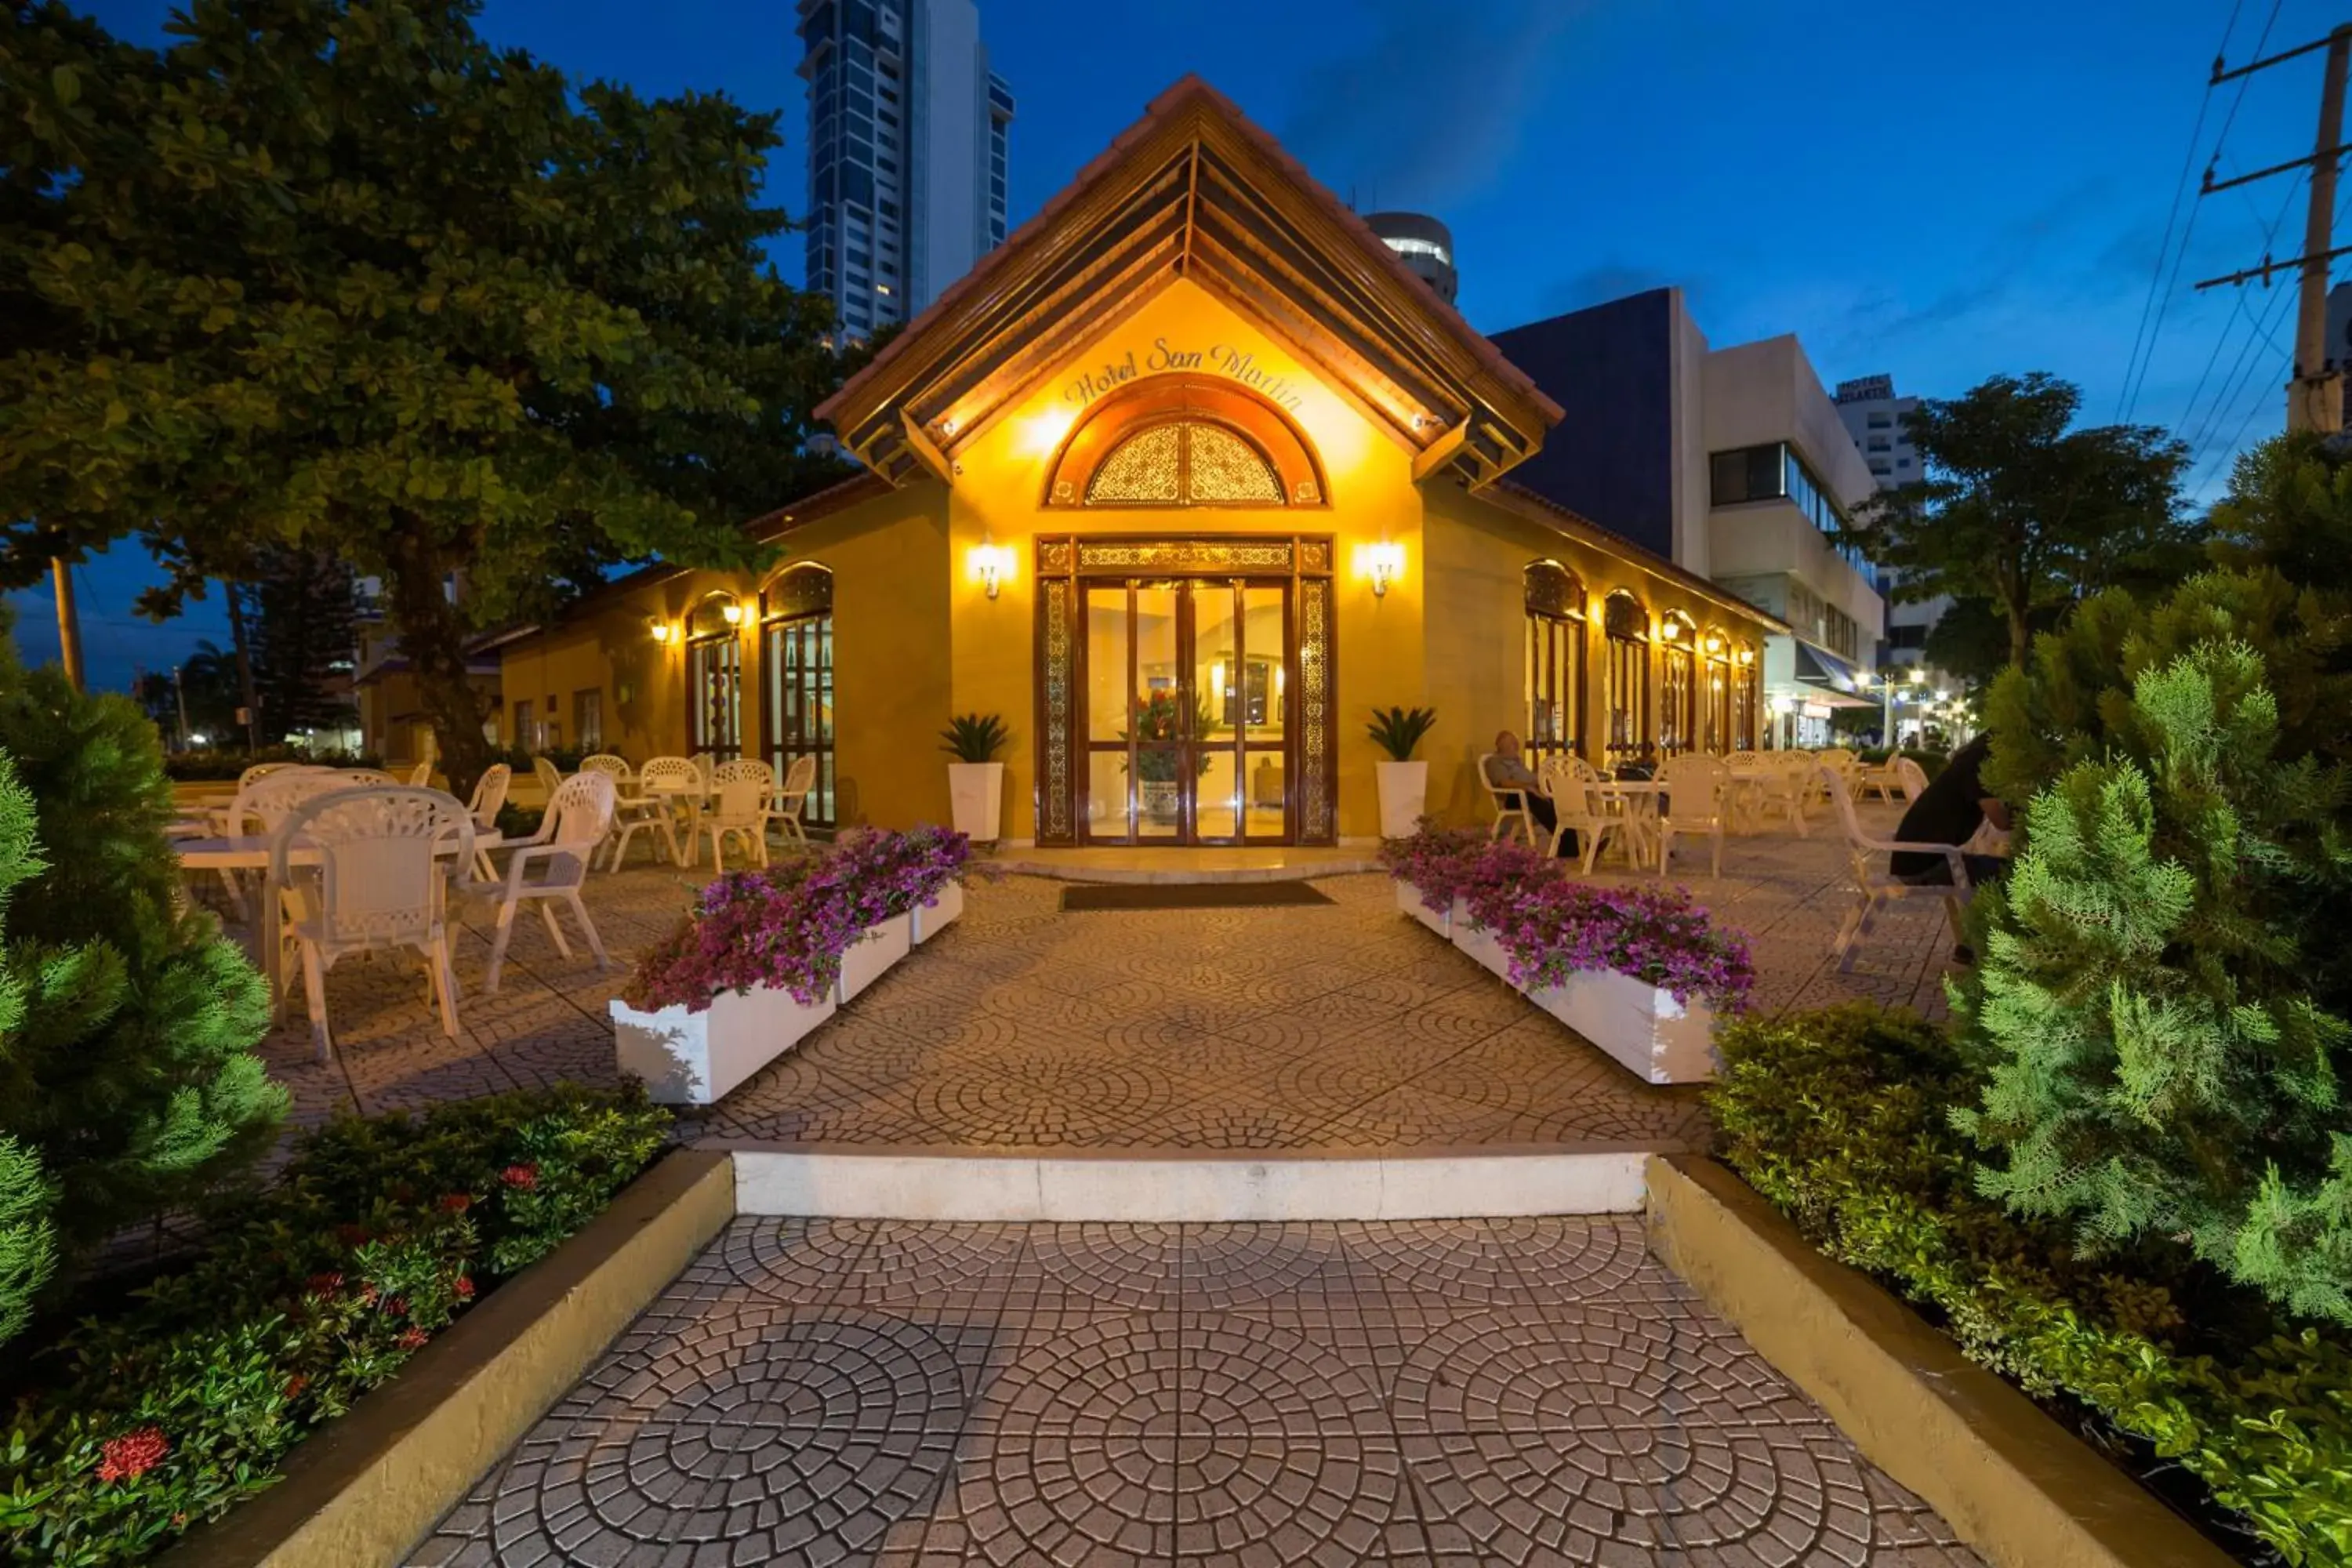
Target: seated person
[1506, 770]
[1949, 811]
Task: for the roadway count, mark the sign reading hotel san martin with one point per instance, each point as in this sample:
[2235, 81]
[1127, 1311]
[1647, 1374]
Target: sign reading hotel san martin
[1223, 359]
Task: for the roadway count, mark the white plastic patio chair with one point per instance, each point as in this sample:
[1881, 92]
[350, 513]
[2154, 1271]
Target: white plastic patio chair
[421, 774]
[489, 799]
[1511, 814]
[377, 885]
[578, 816]
[362, 778]
[792, 795]
[744, 787]
[1691, 790]
[550, 778]
[1874, 885]
[1910, 778]
[1576, 808]
[661, 784]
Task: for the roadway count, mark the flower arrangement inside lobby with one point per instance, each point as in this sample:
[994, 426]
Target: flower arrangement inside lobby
[786, 926]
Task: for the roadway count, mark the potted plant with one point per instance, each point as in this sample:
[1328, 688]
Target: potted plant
[1403, 783]
[976, 779]
[1158, 723]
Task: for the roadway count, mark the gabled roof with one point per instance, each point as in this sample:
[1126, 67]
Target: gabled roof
[1194, 190]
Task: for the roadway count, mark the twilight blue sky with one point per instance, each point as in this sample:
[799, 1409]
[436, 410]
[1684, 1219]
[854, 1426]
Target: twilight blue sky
[1942, 192]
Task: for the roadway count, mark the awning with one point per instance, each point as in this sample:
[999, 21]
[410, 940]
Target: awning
[1831, 680]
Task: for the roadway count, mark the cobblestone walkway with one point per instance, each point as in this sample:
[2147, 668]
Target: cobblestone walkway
[1338, 1027]
[912, 1397]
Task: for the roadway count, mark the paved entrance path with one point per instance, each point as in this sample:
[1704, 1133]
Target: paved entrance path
[896, 1394]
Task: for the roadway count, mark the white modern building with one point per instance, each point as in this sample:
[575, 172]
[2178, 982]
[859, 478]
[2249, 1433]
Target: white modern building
[1878, 421]
[1732, 462]
[908, 129]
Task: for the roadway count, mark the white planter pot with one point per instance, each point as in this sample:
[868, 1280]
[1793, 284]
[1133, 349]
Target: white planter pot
[1643, 1028]
[1408, 899]
[872, 955]
[1404, 793]
[929, 920]
[697, 1059]
[1481, 944]
[976, 795]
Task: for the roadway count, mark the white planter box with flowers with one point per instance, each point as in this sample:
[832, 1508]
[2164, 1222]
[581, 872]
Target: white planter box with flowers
[869, 958]
[1644, 1028]
[696, 1058]
[1480, 945]
[943, 911]
[1408, 897]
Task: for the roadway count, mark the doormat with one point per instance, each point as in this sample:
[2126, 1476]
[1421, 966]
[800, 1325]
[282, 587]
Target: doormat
[1189, 895]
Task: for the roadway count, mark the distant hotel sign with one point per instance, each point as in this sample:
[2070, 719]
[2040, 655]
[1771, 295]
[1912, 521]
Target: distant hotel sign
[1223, 359]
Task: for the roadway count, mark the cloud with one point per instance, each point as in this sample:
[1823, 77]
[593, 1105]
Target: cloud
[1431, 106]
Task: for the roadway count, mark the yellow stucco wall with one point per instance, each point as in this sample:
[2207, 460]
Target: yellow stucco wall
[918, 641]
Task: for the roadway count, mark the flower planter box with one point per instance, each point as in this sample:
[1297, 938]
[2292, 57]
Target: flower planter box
[871, 955]
[696, 1058]
[1408, 897]
[1643, 1028]
[1481, 944]
[931, 920]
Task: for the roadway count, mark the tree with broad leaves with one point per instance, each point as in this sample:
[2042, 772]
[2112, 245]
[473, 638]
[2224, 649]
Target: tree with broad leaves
[337, 274]
[2021, 508]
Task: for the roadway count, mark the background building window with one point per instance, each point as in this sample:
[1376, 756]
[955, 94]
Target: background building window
[714, 681]
[588, 719]
[1678, 686]
[524, 735]
[796, 664]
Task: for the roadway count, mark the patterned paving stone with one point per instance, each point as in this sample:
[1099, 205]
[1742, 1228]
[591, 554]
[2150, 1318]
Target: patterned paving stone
[924, 1395]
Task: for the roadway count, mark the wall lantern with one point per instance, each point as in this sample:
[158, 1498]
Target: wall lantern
[733, 611]
[1383, 563]
[1715, 645]
[990, 563]
[1670, 628]
[660, 629]
[1747, 656]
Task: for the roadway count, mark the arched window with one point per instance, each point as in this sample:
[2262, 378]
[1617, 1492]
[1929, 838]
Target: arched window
[1555, 667]
[1716, 673]
[1184, 440]
[1627, 628]
[1679, 715]
[796, 659]
[714, 676]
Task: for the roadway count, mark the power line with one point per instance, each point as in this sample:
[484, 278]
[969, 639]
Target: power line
[2240, 312]
[2172, 284]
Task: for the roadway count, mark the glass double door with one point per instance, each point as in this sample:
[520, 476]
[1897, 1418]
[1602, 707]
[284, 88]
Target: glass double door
[1188, 689]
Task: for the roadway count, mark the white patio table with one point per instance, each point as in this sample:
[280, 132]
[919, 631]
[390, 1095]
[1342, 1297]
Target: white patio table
[251, 852]
[690, 792]
[1637, 804]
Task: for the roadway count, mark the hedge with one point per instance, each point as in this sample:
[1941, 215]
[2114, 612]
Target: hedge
[181, 1401]
[1840, 1120]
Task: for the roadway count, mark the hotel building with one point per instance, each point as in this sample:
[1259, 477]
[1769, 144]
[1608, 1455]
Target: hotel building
[1181, 481]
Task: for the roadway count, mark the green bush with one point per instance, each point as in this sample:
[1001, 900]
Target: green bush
[2160, 1018]
[181, 1403]
[1841, 1118]
[129, 1074]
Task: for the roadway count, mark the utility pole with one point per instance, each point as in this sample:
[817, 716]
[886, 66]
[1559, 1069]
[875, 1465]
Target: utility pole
[68, 621]
[2314, 398]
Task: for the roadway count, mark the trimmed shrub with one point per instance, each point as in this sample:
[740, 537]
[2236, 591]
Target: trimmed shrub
[172, 1409]
[1840, 1120]
[2159, 1022]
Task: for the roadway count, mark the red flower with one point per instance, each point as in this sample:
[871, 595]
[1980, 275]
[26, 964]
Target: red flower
[297, 1384]
[352, 1234]
[397, 1305]
[464, 1287]
[325, 1284]
[456, 1203]
[132, 1455]
[412, 1339]
[522, 1177]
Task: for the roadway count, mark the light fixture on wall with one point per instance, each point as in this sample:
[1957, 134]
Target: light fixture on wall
[1747, 656]
[1715, 645]
[1670, 628]
[732, 610]
[1383, 563]
[991, 565]
[659, 629]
